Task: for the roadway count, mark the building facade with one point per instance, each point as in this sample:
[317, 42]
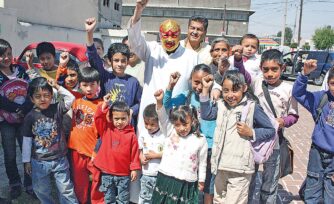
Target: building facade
[230, 21]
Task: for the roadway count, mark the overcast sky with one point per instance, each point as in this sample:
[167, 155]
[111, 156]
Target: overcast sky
[268, 16]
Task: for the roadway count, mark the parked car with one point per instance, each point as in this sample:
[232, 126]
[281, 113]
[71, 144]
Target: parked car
[77, 53]
[295, 61]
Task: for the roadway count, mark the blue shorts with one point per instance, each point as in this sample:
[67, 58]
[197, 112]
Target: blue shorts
[209, 178]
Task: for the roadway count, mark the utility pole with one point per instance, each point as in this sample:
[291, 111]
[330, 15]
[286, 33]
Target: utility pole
[223, 32]
[300, 21]
[284, 23]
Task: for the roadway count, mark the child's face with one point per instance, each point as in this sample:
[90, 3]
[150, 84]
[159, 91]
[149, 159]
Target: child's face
[230, 96]
[90, 89]
[42, 99]
[6, 58]
[271, 72]
[120, 119]
[331, 85]
[47, 60]
[250, 46]
[151, 125]
[72, 79]
[196, 81]
[119, 63]
[99, 49]
[220, 49]
[183, 129]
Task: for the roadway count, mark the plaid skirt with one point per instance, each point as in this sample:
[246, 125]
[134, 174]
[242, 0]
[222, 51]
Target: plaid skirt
[170, 190]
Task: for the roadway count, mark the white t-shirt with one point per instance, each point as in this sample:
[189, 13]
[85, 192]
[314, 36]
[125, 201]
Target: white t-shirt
[154, 142]
[252, 65]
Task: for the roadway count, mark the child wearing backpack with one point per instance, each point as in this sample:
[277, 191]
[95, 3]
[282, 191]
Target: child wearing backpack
[232, 159]
[320, 170]
[269, 85]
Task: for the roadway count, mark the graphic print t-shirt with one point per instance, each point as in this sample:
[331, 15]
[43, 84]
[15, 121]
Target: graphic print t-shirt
[48, 141]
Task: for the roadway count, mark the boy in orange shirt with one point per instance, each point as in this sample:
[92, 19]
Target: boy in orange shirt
[84, 136]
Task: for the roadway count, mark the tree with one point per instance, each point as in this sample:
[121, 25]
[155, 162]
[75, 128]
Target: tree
[294, 45]
[323, 38]
[287, 37]
[306, 46]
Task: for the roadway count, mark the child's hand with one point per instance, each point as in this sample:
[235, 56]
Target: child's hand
[64, 58]
[133, 175]
[106, 101]
[237, 51]
[174, 77]
[200, 186]
[27, 168]
[159, 95]
[141, 4]
[244, 130]
[90, 25]
[152, 155]
[143, 159]
[310, 66]
[29, 58]
[280, 122]
[53, 83]
[207, 82]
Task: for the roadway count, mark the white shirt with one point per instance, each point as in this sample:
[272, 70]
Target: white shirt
[252, 65]
[186, 159]
[154, 142]
[158, 67]
[203, 52]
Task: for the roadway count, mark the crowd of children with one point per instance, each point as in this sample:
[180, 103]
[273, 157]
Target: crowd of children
[195, 144]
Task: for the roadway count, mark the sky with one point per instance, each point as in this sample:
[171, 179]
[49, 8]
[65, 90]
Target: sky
[268, 16]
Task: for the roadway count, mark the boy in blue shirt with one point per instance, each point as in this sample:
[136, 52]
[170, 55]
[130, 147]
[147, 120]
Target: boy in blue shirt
[320, 169]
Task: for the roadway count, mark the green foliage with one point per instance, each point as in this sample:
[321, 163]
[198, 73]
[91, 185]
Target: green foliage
[293, 45]
[306, 46]
[287, 37]
[323, 38]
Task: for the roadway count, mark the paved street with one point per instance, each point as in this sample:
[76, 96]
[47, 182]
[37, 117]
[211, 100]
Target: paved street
[299, 136]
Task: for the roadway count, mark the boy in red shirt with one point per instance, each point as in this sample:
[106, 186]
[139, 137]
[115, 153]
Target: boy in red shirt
[84, 136]
[118, 156]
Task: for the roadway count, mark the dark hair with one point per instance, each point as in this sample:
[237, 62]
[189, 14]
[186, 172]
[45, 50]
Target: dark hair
[150, 112]
[88, 74]
[330, 74]
[250, 36]
[98, 40]
[45, 47]
[118, 48]
[4, 45]
[39, 83]
[72, 65]
[120, 106]
[238, 79]
[181, 113]
[218, 40]
[274, 55]
[200, 19]
[201, 67]
[126, 38]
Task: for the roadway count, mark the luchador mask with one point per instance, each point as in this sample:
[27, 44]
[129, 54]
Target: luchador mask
[170, 35]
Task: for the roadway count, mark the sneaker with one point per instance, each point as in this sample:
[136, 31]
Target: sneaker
[31, 193]
[15, 192]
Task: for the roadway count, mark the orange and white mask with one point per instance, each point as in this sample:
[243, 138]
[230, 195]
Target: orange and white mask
[170, 35]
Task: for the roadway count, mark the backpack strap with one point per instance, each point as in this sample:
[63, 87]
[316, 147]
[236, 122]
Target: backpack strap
[323, 101]
[245, 111]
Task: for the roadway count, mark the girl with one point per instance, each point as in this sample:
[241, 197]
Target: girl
[232, 159]
[207, 127]
[183, 165]
[14, 84]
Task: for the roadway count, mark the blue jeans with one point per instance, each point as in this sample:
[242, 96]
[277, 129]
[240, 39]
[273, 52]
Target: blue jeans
[319, 183]
[270, 177]
[115, 188]
[10, 133]
[147, 184]
[59, 169]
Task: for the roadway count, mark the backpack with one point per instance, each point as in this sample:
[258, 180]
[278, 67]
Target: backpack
[262, 150]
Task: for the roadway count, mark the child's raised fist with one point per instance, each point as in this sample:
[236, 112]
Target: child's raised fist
[90, 25]
[29, 55]
[141, 3]
[237, 51]
[207, 81]
[309, 66]
[159, 95]
[64, 58]
[174, 77]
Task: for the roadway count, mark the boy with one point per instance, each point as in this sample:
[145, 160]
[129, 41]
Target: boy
[151, 148]
[44, 145]
[320, 170]
[118, 155]
[84, 136]
[286, 108]
[123, 87]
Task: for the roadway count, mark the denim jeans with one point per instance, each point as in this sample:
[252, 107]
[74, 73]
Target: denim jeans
[10, 133]
[146, 189]
[59, 169]
[270, 177]
[319, 183]
[115, 188]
